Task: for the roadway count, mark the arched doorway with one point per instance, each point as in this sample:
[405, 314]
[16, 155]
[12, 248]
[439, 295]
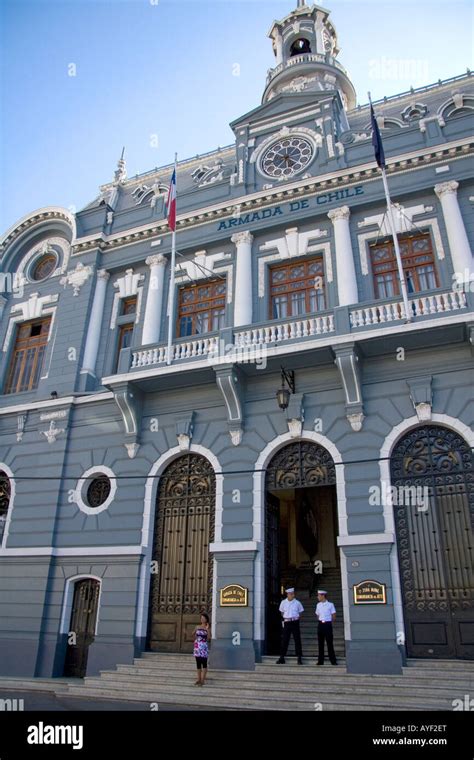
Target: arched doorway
[301, 530]
[181, 585]
[81, 632]
[432, 471]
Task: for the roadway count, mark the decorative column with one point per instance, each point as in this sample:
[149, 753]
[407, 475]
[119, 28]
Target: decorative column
[154, 301]
[243, 279]
[278, 41]
[95, 323]
[346, 276]
[461, 254]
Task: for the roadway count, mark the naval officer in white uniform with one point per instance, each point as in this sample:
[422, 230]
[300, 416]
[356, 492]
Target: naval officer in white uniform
[326, 614]
[291, 610]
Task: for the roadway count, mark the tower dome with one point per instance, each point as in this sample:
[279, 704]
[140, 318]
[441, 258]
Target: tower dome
[305, 48]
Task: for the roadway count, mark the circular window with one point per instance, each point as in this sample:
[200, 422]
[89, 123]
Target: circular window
[98, 491]
[43, 267]
[286, 157]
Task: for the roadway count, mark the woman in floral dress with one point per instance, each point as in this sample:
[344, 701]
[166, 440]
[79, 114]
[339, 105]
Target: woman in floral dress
[202, 637]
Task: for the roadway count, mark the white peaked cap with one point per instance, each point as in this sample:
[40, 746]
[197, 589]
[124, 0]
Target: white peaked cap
[289, 591]
[322, 592]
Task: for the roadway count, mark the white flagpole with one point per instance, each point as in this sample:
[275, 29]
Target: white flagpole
[173, 266]
[393, 231]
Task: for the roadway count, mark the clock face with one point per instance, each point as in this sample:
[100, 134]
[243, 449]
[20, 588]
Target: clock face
[286, 157]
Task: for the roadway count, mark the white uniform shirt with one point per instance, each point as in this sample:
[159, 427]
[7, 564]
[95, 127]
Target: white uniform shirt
[325, 611]
[291, 609]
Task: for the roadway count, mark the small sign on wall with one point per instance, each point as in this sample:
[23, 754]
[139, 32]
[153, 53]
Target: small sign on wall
[233, 596]
[370, 592]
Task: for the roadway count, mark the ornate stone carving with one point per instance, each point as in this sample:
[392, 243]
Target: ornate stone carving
[132, 449]
[21, 422]
[184, 441]
[444, 188]
[356, 420]
[79, 276]
[242, 237]
[184, 431]
[34, 307]
[423, 411]
[295, 428]
[202, 266]
[156, 259]
[52, 432]
[236, 436]
[343, 212]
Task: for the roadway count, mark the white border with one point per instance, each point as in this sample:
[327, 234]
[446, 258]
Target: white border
[78, 493]
[259, 521]
[385, 454]
[148, 525]
[6, 469]
[68, 599]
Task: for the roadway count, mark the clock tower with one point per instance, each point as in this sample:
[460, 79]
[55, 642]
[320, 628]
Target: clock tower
[305, 48]
[295, 132]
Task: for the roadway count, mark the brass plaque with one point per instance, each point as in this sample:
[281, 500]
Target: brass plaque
[233, 596]
[370, 592]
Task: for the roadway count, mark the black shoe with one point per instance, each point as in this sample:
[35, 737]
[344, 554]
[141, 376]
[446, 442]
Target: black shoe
[281, 661]
[333, 663]
[320, 663]
[300, 661]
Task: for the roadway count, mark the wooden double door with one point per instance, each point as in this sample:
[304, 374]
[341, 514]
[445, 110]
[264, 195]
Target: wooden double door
[181, 586]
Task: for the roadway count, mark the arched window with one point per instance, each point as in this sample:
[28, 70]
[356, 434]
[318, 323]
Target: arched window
[300, 46]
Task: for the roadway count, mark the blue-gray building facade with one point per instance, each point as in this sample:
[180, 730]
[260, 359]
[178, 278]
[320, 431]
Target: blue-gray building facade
[152, 482]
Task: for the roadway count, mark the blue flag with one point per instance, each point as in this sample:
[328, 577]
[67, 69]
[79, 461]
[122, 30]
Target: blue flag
[377, 140]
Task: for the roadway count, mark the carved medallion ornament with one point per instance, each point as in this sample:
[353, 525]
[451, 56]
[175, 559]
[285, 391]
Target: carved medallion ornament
[302, 464]
[184, 529]
[434, 520]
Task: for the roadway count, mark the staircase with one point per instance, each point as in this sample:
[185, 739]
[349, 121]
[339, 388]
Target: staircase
[169, 679]
[330, 582]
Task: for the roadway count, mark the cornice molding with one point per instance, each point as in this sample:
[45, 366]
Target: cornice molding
[309, 187]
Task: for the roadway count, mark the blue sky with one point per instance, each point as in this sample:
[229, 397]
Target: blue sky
[158, 76]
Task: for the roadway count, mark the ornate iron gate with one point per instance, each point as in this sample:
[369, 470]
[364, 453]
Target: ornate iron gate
[83, 621]
[182, 579]
[432, 470]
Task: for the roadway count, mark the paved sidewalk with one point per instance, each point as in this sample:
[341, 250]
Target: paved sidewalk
[48, 701]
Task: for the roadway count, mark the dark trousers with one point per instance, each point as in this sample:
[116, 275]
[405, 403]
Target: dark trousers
[325, 634]
[292, 627]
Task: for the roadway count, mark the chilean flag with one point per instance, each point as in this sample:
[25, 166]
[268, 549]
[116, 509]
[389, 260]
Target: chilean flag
[171, 203]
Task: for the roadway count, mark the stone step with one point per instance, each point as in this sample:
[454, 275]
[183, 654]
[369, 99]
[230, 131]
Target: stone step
[260, 705]
[255, 698]
[35, 684]
[328, 680]
[451, 664]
